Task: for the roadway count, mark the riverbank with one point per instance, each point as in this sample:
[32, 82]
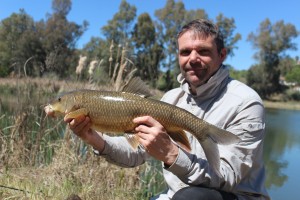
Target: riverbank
[289, 105]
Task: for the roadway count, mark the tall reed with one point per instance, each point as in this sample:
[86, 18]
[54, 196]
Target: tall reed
[41, 159]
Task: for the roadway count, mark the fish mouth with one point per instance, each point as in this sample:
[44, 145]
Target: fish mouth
[49, 111]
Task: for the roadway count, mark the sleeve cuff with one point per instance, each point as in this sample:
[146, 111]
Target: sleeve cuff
[182, 164]
[107, 147]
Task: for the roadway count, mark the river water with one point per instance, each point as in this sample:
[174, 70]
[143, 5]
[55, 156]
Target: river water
[282, 153]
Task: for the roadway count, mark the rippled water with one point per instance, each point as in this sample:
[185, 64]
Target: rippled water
[282, 153]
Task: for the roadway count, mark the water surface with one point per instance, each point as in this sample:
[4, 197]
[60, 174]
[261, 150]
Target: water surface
[282, 153]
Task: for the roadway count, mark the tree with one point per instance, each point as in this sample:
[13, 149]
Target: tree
[148, 51]
[195, 14]
[286, 65]
[171, 19]
[19, 41]
[294, 74]
[271, 41]
[255, 79]
[97, 49]
[60, 37]
[227, 27]
[119, 28]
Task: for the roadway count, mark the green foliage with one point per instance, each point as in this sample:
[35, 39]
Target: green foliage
[30, 48]
[294, 74]
[59, 37]
[292, 95]
[15, 47]
[149, 52]
[118, 29]
[170, 20]
[286, 64]
[240, 75]
[272, 40]
[227, 28]
[256, 80]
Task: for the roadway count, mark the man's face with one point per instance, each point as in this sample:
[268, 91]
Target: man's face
[198, 58]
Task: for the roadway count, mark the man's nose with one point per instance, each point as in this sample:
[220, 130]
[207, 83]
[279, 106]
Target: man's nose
[194, 57]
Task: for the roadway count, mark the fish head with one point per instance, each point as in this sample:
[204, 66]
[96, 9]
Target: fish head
[60, 106]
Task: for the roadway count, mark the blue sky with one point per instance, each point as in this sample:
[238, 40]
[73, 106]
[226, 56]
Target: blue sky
[247, 15]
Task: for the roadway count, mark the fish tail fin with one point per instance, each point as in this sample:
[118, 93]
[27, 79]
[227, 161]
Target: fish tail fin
[221, 136]
[216, 136]
[180, 138]
[133, 140]
[211, 151]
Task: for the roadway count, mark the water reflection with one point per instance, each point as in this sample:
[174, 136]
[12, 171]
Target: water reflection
[282, 139]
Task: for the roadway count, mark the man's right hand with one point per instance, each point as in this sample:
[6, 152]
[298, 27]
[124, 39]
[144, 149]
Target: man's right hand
[81, 126]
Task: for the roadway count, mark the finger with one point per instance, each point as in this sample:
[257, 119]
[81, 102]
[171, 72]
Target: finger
[86, 129]
[75, 121]
[79, 118]
[143, 136]
[82, 127]
[146, 120]
[143, 128]
[78, 122]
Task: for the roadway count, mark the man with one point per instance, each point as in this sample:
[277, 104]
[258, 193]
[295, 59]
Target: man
[208, 92]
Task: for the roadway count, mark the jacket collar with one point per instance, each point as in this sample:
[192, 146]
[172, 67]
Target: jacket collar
[211, 88]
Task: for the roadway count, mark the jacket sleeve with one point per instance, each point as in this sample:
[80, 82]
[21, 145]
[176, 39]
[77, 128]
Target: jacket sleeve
[237, 160]
[119, 152]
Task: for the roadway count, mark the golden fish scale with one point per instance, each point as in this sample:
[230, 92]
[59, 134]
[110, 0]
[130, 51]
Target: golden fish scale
[114, 112]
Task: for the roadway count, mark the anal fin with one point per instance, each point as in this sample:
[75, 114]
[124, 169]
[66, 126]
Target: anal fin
[179, 136]
[133, 140]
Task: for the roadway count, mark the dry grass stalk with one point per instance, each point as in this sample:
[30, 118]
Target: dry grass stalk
[110, 57]
[41, 167]
[92, 66]
[89, 178]
[81, 65]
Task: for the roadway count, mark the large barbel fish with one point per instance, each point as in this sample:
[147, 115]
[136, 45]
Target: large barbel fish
[113, 112]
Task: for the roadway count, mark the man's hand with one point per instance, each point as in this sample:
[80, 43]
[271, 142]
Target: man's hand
[81, 126]
[156, 140]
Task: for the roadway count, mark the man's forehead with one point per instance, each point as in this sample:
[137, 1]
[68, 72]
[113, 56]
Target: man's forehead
[196, 34]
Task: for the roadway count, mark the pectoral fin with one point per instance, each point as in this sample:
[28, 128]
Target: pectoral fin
[77, 113]
[180, 138]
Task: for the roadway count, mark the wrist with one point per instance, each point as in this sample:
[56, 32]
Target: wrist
[98, 143]
[172, 155]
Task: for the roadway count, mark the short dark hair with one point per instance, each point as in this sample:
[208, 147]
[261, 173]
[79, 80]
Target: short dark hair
[205, 28]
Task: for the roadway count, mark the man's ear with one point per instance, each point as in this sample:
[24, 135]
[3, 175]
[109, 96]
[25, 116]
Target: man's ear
[223, 54]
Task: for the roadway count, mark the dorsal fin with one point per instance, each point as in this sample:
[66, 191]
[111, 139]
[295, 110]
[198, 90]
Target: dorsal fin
[138, 86]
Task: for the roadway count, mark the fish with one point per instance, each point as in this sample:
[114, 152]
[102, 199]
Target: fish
[114, 111]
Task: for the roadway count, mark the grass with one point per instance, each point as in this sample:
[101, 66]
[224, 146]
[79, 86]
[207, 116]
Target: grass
[41, 159]
[289, 105]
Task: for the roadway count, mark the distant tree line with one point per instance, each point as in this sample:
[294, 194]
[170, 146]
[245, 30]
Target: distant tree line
[39, 48]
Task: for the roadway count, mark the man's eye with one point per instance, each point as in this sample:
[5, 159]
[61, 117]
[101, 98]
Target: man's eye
[185, 53]
[204, 52]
